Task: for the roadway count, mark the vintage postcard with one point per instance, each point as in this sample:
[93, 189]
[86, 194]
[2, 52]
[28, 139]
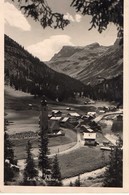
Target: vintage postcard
[64, 96]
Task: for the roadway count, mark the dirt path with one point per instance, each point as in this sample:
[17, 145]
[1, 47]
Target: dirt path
[76, 145]
[112, 138]
[108, 134]
[84, 176]
[56, 149]
[100, 117]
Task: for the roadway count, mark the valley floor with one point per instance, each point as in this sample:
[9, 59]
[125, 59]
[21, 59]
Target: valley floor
[74, 157]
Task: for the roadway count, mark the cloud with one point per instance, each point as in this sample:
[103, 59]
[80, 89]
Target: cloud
[69, 17]
[76, 18]
[15, 18]
[48, 47]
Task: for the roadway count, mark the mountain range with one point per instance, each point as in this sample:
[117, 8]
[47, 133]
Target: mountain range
[95, 70]
[90, 63]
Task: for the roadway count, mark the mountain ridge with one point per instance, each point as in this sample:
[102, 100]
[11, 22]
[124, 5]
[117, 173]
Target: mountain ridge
[27, 73]
[88, 62]
[77, 57]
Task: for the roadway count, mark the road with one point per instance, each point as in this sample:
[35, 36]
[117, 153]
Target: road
[84, 176]
[79, 143]
[100, 117]
[112, 138]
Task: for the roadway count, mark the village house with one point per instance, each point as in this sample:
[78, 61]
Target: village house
[54, 128]
[91, 114]
[112, 108]
[56, 118]
[90, 138]
[87, 118]
[64, 122]
[86, 129]
[73, 117]
[101, 111]
[84, 117]
[106, 148]
[54, 124]
[56, 113]
[49, 116]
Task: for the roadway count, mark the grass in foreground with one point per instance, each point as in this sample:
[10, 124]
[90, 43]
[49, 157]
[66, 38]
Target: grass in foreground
[82, 160]
[20, 144]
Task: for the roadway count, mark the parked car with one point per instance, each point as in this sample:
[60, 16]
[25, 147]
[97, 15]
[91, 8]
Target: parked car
[68, 108]
[92, 102]
[89, 102]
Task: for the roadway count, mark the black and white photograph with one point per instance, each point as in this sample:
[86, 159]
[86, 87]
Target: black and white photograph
[64, 94]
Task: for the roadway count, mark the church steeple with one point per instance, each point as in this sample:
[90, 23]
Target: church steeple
[43, 114]
[43, 101]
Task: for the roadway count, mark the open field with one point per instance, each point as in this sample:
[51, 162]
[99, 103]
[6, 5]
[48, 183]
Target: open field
[55, 143]
[18, 100]
[88, 179]
[22, 119]
[82, 160]
[79, 161]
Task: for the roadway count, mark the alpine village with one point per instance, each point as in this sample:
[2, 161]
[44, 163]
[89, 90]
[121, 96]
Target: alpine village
[63, 118]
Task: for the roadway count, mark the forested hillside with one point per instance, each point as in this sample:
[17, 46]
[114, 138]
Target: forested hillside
[27, 73]
[103, 78]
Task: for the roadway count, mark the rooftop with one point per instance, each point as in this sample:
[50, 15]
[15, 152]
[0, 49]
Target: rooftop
[55, 118]
[87, 128]
[91, 113]
[74, 114]
[56, 111]
[65, 119]
[89, 135]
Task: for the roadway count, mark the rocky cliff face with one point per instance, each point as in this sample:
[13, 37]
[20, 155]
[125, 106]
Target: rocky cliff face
[89, 64]
[72, 60]
[99, 68]
[107, 66]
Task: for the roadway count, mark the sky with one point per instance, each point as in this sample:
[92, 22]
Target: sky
[44, 43]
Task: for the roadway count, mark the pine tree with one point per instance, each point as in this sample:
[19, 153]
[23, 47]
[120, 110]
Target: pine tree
[71, 184]
[30, 171]
[77, 182]
[8, 172]
[56, 174]
[8, 156]
[102, 13]
[114, 173]
[43, 162]
[8, 149]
